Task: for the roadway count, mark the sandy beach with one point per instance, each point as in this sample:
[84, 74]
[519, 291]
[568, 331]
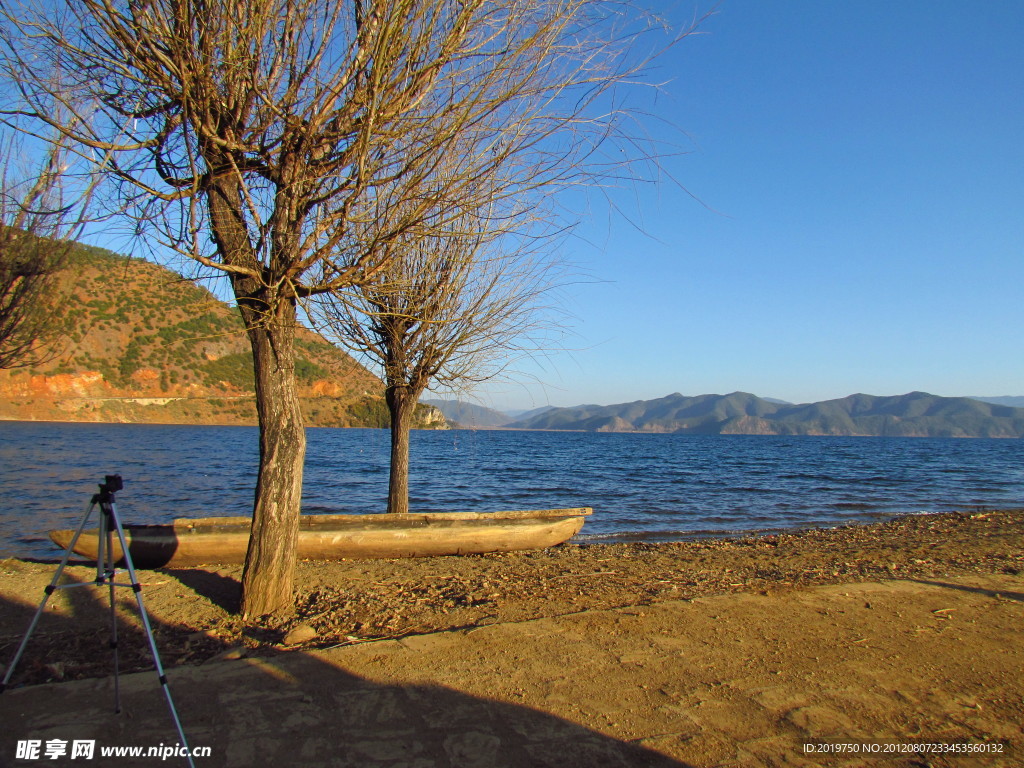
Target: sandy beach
[872, 640]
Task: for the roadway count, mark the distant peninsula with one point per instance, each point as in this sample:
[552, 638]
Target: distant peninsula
[916, 414]
[142, 344]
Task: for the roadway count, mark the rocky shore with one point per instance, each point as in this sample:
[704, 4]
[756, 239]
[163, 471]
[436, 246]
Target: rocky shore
[354, 601]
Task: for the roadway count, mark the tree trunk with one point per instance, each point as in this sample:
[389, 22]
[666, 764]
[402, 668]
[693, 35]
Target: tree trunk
[401, 402]
[270, 322]
[268, 575]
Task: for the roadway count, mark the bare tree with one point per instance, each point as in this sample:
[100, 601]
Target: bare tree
[452, 308]
[36, 224]
[286, 143]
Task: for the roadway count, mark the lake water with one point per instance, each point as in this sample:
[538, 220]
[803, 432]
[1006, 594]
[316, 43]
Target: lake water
[653, 487]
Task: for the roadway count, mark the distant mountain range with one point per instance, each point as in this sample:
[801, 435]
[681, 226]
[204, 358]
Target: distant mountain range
[917, 414]
[465, 414]
[518, 415]
[470, 415]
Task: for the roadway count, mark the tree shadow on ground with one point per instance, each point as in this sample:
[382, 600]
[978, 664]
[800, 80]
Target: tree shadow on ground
[1018, 596]
[293, 709]
[223, 591]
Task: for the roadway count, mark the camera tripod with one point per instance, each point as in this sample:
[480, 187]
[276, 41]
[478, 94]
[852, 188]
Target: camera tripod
[106, 574]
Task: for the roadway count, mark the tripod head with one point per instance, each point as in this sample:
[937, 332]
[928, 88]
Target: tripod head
[111, 485]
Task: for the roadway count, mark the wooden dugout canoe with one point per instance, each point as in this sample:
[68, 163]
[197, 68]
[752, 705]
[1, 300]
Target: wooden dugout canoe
[335, 537]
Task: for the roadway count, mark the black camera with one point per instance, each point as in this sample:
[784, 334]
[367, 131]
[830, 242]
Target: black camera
[112, 484]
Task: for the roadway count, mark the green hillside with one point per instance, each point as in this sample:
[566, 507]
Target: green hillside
[143, 344]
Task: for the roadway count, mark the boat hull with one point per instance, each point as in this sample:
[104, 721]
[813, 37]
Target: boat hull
[223, 540]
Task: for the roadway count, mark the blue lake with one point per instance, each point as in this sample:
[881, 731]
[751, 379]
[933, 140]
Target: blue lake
[654, 487]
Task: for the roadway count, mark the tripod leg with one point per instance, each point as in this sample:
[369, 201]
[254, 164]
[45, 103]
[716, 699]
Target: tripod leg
[49, 590]
[109, 574]
[113, 647]
[137, 589]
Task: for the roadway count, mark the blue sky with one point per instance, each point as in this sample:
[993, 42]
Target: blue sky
[859, 221]
[848, 217]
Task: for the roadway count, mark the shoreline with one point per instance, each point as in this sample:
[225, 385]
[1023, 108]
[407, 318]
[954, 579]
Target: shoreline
[695, 536]
[653, 537]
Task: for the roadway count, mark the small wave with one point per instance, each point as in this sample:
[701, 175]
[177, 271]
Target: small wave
[653, 536]
[316, 509]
